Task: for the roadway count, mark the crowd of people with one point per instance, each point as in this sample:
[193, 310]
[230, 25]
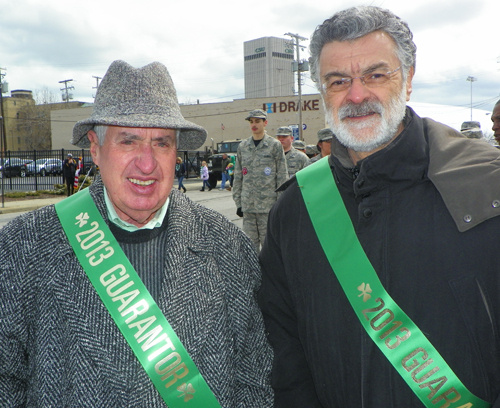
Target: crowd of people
[363, 277]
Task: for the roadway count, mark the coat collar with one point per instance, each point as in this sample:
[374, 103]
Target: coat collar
[264, 141]
[466, 172]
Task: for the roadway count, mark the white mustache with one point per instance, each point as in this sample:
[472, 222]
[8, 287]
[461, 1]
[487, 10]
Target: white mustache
[365, 108]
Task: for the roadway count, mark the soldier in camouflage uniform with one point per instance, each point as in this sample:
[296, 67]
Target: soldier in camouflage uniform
[325, 137]
[299, 145]
[295, 160]
[472, 130]
[311, 151]
[260, 169]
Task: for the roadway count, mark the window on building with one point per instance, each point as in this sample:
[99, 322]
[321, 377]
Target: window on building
[282, 55]
[255, 56]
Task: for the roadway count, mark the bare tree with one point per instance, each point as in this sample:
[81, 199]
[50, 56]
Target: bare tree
[34, 121]
[44, 96]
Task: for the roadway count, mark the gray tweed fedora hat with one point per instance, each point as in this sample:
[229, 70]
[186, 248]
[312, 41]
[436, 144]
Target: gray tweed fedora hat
[139, 97]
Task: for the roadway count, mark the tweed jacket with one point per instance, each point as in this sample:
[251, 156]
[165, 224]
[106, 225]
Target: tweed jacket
[60, 348]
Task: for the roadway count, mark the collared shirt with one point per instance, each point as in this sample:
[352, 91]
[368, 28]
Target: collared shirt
[156, 221]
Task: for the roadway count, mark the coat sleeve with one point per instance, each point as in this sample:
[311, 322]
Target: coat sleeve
[291, 377]
[13, 330]
[252, 349]
[238, 179]
[281, 168]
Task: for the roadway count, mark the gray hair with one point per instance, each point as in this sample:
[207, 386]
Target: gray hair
[100, 131]
[356, 22]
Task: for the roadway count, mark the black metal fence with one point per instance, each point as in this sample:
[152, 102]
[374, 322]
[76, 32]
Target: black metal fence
[20, 170]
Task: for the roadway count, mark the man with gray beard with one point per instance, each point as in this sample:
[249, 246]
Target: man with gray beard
[383, 292]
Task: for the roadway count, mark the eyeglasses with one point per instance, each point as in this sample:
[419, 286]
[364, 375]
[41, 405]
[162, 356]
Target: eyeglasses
[371, 80]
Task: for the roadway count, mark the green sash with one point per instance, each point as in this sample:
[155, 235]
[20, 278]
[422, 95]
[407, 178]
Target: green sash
[129, 303]
[401, 341]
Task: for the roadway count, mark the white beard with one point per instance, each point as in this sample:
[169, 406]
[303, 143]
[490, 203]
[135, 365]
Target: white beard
[371, 133]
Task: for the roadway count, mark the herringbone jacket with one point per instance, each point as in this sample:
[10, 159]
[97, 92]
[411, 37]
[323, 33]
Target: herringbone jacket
[60, 348]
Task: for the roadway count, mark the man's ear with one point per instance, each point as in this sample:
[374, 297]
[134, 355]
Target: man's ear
[94, 146]
[409, 79]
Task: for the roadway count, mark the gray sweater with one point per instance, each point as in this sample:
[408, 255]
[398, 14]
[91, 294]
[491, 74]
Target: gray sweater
[60, 348]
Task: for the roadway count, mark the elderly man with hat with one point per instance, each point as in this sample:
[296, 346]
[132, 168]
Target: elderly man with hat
[324, 145]
[259, 170]
[295, 160]
[123, 295]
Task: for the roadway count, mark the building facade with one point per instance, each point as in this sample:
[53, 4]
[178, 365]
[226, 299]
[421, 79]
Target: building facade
[13, 106]
[268, 67]
[28, 125]
[223, 121]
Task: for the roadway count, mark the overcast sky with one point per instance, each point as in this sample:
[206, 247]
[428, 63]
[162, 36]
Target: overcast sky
[201, 43]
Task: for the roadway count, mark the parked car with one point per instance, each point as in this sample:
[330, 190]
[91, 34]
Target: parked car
[14, 166]
[45, 167]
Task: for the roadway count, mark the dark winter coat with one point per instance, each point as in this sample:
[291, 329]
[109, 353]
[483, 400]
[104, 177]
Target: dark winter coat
[440, 264]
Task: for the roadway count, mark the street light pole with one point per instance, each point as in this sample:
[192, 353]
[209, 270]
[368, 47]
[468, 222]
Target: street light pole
[471, 79]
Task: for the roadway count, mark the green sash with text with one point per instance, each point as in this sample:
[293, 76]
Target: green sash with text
[131, 306]
[401, 341]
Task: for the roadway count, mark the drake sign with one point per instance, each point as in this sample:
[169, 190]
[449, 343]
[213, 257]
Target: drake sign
[291, 106]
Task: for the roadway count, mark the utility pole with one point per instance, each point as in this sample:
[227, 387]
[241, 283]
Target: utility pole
[66, 89]
[299, 66]
[471, 79]
[3, 130]
[97, 83]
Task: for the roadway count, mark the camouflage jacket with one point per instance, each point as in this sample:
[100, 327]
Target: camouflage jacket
[258, 172]
[295, 161]
[313, 159]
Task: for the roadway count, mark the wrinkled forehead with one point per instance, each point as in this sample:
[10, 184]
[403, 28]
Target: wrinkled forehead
[354, 56]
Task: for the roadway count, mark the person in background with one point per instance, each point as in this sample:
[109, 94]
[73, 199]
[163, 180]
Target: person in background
[295, 160]
[260, 169]
[324, 145]
[495, 118]
[204, 176]
[230, 173]
[312, 151]
[299, 145]
[180, 173]
[225, 175]
[69, 170]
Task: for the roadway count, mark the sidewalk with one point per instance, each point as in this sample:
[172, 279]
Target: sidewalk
[35, 203]
[28, 205]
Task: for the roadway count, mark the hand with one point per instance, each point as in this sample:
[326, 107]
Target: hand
[239, 213]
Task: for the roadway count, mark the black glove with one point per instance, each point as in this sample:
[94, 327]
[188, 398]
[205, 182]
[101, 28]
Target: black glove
[239, 213]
